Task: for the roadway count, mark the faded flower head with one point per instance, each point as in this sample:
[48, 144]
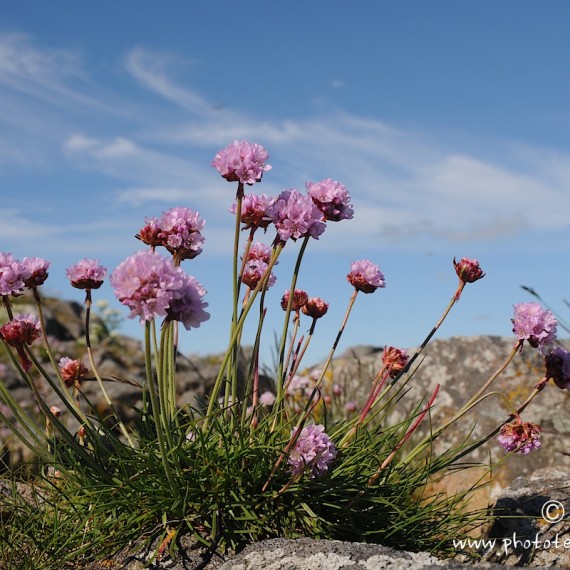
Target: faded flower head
[315, 307]
[295, 215]
[519, 436]
[535, 324]
[365, 276]
[150, 232]
[242, 161]
[22, 329]
[558, 367]
[300, 299]
[72, 371]
[331, 198]
[86, 274]
[313, 452]
[468, 270]
[253, 271]
[187, 305]
[397, 358]
[35, 270]
[180, 232]
[147, 283]
[254, 211]
[12, 275]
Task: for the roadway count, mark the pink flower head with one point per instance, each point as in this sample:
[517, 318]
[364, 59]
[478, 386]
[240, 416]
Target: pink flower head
[397, 358]
[267, 399]
[350, 406]
[254, 211]
[260, 251]
[558, 367]
[180, 232]
[86, 274]
[242, 161]
[313, 452]
[295, 215]
[253, 271]
[36, 270]
[147, 283]
[72, 371]
[300, 298]
[535, 324]
[365, 276]
[468, 270]
[331, 198]
[188, 305]
[12, 275]
[150, 233]
[519, 436]
[21, 330]
[315, 307]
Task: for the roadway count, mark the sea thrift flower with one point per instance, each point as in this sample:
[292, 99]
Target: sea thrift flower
[12, 275]
[365, 276]
[56, 411]
[188, 305]
[147, 283]
[21, 330]
[72, 371]
[558, 367]
[350, 406]
[315, 307]
[242, 161]
[535, 324]
[521, 437]
[300, 298]
[468, 270]
[86, 274]
[150, 233]
[295, 215]
[267, 399]
[253, 271]
[180, 232]
[331, 198]
[313, 452]
[36, 271]
[260, 251]
[254, 211]
[397, 358]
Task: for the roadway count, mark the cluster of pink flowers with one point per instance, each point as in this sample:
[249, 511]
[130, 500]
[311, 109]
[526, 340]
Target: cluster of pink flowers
[520, 436]
[255, 266]
[395, 359]
[313, 452]
[468, 270]
[365, 276]
[31, 272]
[72, 371]
[331, 198]
[178, 230]
[242, 162]
[253, 212]
[535, 325]
[86, 274]
[313, 307]
[20, 331]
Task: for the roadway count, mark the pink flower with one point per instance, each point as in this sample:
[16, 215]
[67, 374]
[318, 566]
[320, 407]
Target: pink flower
[21, 330]
[313, 452]
[315, 307]
[535, 324]
[397, 358]
[267, 399]
[188, 305]
[260, 251]
[365, 276]
[254, 211]
[12, 275]
[253, 271]
[558, 367]
[300, 298]
[519, 436]
[350, 406]
[180, 232]
[150, 233]
[331, 198]
[147, 283]
[242, 162]
[86, 274]
[296, 216]
[468, 270]
[72, 371]
[36, 270]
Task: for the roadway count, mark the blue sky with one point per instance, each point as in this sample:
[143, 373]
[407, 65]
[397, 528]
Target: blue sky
[447, 121]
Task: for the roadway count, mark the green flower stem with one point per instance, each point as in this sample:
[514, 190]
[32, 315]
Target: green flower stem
[280, 368]
[96, 373]
[454, 300]
[235, 335]
[8, 306]
[156, 409]
[299, 357]
[470, 404]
